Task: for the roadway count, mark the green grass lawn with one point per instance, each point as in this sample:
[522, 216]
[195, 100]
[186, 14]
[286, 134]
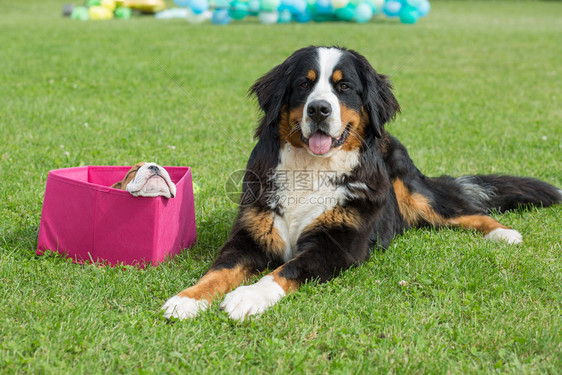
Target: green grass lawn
[480, 89]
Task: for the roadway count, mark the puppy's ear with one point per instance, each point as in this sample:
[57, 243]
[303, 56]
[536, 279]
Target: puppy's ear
[378, 100]
[122, 185]
[272, 90]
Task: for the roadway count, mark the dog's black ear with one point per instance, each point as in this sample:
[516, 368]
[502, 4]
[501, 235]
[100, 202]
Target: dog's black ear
[272, 90]
[378, 100]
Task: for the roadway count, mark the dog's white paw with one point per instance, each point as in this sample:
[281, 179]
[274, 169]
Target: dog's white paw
[183, 307]
[511, 236]
[253, 299]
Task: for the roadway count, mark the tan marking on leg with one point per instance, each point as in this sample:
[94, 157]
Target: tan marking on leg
[414, 207]
[216, 283]
[260, 225]
[337, 76]
[311, 75]
[289, 286]
[482, 223]
[337, 217]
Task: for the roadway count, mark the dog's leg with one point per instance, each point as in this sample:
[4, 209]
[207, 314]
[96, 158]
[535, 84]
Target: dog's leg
[216, 282]
[256, 298]
[253, 245]
[418, 210]
[333, 242]
[491, 228]
[238, 260]
[313, 264]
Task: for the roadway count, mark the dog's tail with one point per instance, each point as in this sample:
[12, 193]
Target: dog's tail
[502, 193]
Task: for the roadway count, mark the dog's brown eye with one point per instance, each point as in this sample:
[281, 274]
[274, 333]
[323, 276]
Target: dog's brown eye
[344, 87]
[305, 84]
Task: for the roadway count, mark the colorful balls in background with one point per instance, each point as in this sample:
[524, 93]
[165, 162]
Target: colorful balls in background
[285, 16]
[198, 18]
[238, 10]
[183, 3]
[80, 13]
[424, 8]
[222, 12]
[346, 13]
[268, 18]
[220, 17]
[392, 8]
[408, 15]
[97, 10]
[199, 6]
[337, 4]
[303, 17]
[109, 4]
[270, 5]
[323, 6]
[293, 6]
[378, 5]
[220, 4]
[100, 13]
[363, 13]
[67, 10]
[285, 11]
[123, 13]
[411, 3]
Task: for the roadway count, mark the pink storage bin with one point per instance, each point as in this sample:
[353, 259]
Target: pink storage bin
[87, 220]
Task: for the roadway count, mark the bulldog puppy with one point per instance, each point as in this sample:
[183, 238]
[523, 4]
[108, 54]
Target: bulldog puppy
[147, 180]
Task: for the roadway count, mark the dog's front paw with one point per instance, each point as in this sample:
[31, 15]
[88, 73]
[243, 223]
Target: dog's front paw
[511, 236]
[253, 299]
[183, 307]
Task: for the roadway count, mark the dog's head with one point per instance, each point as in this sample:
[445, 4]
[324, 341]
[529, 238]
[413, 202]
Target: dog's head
[325, 98]
[147, 180]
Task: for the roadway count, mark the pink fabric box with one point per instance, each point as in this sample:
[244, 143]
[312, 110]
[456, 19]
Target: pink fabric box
[87, 220]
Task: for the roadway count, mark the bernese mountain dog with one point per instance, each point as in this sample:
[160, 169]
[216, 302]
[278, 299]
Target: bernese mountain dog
[326, 183]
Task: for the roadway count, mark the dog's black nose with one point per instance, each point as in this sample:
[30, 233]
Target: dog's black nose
[153, 168]
[319, 110]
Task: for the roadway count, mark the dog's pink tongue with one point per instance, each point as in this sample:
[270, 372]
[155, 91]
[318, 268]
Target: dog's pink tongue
[320, 143]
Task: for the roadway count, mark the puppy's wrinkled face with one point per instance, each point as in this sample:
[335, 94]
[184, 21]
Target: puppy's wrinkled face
[148, 180]
[325, 107]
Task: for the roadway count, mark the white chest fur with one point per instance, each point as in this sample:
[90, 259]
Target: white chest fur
[305, 189]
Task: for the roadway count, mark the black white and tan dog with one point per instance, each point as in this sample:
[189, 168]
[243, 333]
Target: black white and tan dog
[147, 180]
[326, 183]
